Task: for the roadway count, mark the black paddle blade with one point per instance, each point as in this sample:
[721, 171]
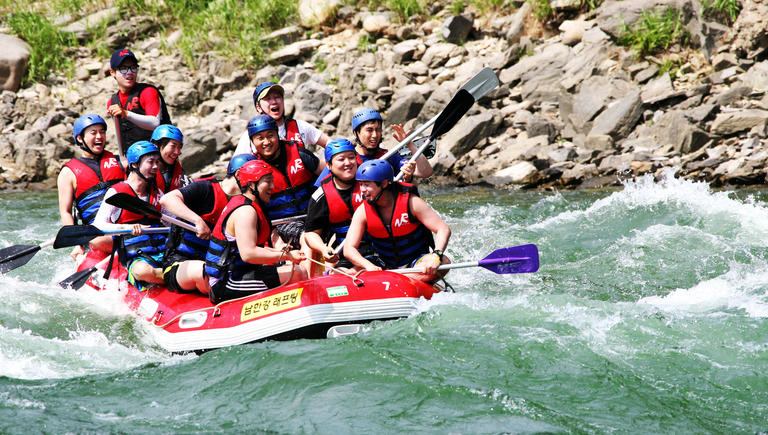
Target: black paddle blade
[16, 256]
[77, 279]
[456, 108]
[75, 235]
[133, 204]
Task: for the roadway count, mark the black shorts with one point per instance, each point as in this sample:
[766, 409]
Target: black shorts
[169, 277]
[256, 278]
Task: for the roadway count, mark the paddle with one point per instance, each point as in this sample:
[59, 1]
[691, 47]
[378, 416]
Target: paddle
[78, 279]
[74, 235]
[137, 205]
[513, 259]
[456, 108]
[16, 256]
[478, 86]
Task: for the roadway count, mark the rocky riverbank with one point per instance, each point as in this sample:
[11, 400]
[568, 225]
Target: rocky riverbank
[574, 109]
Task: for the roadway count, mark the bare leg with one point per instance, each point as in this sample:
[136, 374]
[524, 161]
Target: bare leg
[191, 275]
[143, 271]
[291, 273]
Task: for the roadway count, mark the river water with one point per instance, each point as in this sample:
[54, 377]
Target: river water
[649, 315]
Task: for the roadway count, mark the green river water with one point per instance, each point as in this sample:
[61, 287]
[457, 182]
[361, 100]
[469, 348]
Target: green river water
[649, 315]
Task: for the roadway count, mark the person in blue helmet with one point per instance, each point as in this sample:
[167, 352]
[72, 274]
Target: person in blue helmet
[200, 203]
[169, 141]
[140, 253]
[332, 205]
[400, 225]
[367, 127]
[84, 180]
[268, 99]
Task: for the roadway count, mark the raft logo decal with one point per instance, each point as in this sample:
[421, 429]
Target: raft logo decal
[271, 304]
[402, 221]
[334, 292]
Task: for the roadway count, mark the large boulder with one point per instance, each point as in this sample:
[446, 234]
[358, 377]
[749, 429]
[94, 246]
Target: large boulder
[733, 122]
[317, 12]
[313, 101]
[469, 132]
[675, 131]
[405, 108]
[750, 31]
[181, 95]
[13, 62]
[521, 172]
[456, 28]
[620, 117]
[294, 52]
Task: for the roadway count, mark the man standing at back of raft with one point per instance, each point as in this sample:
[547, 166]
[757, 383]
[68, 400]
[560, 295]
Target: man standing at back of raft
[269, 100]
[200, 203]
[400, 225]
[239, 261]
[139, 107]
[141, 254]
[83, 181]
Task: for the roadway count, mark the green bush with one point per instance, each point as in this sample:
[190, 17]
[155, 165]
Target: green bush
[654, 31]
[49, 46]
[541, 9]
[721, 10]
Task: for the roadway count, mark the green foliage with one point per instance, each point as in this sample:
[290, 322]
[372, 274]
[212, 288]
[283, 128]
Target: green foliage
[457, 7]
[721, 10]
[541, 9]
[48, 45]
[320, 64]
[670, 66]
[406, 8]
[489, 5]
[654, 31]
[592, 4]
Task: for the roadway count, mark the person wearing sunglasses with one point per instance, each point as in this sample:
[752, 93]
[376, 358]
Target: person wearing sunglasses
[139, 107]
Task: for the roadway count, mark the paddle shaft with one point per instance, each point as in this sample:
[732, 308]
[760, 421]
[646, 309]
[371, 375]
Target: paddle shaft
[481, 263]
[415, 156]
[479, 85]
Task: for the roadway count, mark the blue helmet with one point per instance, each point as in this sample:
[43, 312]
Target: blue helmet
[337, 146]
[166, 131]
[261, 123]
[375, 170]
[238, 161]
[363, 116]
[139, 149]
[86, 121]
[263, 89]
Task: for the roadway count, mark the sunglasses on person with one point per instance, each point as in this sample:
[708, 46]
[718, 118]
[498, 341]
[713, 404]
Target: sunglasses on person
[126, 69]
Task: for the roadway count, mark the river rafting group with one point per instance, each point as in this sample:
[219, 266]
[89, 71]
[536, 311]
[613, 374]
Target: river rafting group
[287, 244]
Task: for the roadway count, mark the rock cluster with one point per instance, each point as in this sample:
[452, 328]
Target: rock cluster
[574, 109]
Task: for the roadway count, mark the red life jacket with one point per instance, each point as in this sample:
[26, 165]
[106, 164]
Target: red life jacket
[129, 217]
[223, 254]
[93, 178]
[293, 185]
[219, 202]
[360, 160]
[340, 211]
[292, 132]
[176, 179]
[404, 238]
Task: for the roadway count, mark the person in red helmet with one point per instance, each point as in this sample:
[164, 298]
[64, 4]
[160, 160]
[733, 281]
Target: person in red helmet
[139, 107]
[239, 261]
[269, 100]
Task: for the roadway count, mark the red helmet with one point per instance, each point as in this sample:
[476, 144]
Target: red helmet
[253, 171]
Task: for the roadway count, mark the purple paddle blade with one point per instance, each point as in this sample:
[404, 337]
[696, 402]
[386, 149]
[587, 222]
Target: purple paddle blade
[514, 259]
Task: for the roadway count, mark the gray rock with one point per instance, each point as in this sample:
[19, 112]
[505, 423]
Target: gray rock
[647, 74]
[750, 31]
[756, 77]
[434, 104]
[13, 62]
[376, 23]
[316, 12]
[332, 116]
[378, 80]
[286, 35]
[295, 51]
[468, 132]
[521, 172]
[659, 89]
[620, 117]
[404, 51]
[438, 54]
[724, 60]
[456, 28]
[199, 150]
[594, 95]
[538, 125]
[735, 93]
[674, 130]
[515, 27]
[734, 122]
[600, 142]
[181, 95]
[405, 108]
[82, 27]
[442, 162]
[578, 173]
[701, 113]
[313, 101]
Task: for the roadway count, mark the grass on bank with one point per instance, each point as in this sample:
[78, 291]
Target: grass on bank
[654, 31]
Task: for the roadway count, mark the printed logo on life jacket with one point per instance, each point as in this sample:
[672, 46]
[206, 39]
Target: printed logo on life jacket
[110, 163]
[296, 166]
[295, 137]
[133, 104]
[358, 197]
[403, 220]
